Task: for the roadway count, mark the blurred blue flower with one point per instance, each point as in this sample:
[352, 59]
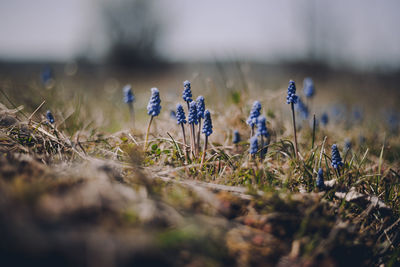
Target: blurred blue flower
[50, 116]
[172, 114]
[253, 145]
[357, 114]
[200, 107]
[309, 88]
[254, 113]
[46, 75]
[324, 119]
[261, 127]
[180, 114]
[291, 93]
[338, 112]
[207, 127]
[320, 179]
[187, 93]
[192, 117]
[336, 159]
[154, 107]
[302, 108]
[236, 137]
[128, 94]
[347, 144]
[392, 121]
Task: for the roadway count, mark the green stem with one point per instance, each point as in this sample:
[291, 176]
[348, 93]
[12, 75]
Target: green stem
[147, 133]
[191, 138]
[198, 138]
[204, 152]
[132, 113]
[294, 131]
[184, 141]
[313, 132]
[262, 148]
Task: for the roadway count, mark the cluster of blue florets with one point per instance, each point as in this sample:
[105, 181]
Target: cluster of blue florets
[200, 106]
[254, 113]
[236, 137]
[50, 117]
[320, 179]
[309, 89]
[192, 117]
[180, 114]
[154, 107]
[253, 145]
[324, 119]
[187, 92]
[291, 93]
[336, 159]
[128, 94]
[207, 127]
[261, 127]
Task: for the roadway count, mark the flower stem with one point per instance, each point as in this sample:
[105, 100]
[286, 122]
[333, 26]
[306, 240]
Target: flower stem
[252, 131]
[294, 131]
[313, 132]
[184, 141]
[132, 114]
[204, 152]
[147, 133]
[191, 138]
[198, 138]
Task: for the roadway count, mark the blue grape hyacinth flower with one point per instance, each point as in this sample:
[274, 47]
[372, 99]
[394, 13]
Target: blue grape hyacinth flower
[207, 127]
[50, 117]
[347, 144]
[128, 94]
[291, 93]
[236, 137]
[253, 145]
[172, 114]
[154, 107]
[302, 108]
[336, 159]
[192, 117]
[324, 119]
[320, 179]
[200, 107]
[46, 75]
[309, 88]
[261, 127]
[357, 114]
[187, 92]
[180, 114]
[254, 113]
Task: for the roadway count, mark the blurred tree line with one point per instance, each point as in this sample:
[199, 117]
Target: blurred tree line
[133, 30]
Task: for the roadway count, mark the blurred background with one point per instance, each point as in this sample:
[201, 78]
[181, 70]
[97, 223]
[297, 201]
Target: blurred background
[228, 45]
[360, 34]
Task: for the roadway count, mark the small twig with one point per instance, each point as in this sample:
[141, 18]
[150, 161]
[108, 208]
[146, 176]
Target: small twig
[30, 117]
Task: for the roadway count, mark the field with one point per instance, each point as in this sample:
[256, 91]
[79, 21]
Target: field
[88, 190]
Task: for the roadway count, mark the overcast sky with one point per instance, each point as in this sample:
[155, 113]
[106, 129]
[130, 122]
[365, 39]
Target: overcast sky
[363, 32]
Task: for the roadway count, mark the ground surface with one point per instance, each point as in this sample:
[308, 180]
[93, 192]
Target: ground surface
[83, 191]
